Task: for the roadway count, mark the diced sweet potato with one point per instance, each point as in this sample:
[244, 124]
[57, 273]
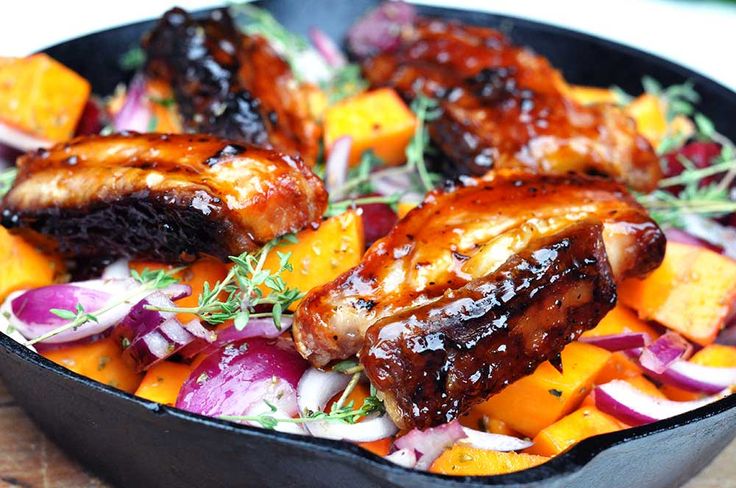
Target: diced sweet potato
[650, 114]
[465, 460]
[377, 120]
[101, 361]
[381, 447]
[403, 208]
[716, 356]
[323, 254]
[165, 117]
[22, 266]
[568, 431]
[205, 270]
[692, 292]
[42, 97]
[163, 381]
[618, 321]
[618, 367]
[540, 399]
[589, 95]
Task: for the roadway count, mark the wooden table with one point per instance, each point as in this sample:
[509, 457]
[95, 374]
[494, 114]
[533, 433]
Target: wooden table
[29, 460]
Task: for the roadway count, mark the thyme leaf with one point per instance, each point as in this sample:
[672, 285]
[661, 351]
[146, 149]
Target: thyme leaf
[242, 290]
[7, 177]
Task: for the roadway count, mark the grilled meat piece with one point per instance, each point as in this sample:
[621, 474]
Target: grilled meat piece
[231, 85]
[457, 236]
[432, 362]
[505, 106]
[161, 197]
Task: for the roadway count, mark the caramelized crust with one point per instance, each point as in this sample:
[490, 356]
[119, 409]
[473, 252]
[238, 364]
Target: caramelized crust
[162, 197]
[231, 85]
[505, 106]
[463, 234]
[433, 361]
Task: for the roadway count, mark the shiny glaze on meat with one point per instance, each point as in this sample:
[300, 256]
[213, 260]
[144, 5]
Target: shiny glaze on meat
[231, 85]
[162, 197]
[505, 106]
[463, 234]
[432, 362]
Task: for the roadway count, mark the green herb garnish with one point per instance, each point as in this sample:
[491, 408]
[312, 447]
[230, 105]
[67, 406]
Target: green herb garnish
[148, 282]
[133, 59]
[241, 291]
[7, 177]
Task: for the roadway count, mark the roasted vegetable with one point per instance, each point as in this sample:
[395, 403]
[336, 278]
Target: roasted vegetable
[41, 97]
[692, 292]
[378, 121]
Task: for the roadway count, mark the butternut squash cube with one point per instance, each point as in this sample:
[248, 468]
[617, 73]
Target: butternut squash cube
[465, 460]
[42, 97]
[540, 399]
[692, 292]
[377, 120]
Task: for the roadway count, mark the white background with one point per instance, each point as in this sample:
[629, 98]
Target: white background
[698, 34]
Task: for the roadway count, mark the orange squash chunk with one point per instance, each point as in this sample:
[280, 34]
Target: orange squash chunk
[321, 255]
[618, 321]
[692, 292]
[589, 95]
[540, 399]
[22, 266]
[716, 356]
[568, 431]
[381, 447]
[101, 361]
[163, 381]
[377, 120]
[465, 460]
[42, 97]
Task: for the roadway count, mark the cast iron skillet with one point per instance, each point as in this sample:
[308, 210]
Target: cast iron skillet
[136, 443]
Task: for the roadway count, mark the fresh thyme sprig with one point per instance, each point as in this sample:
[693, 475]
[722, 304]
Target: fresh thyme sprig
[148, 281]
[709, 201]
[241, 291]
[7, 177]
[425, 110]
[338, 83]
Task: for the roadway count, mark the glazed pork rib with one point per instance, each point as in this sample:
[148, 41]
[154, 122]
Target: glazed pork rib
[231, 85]
[505, 106]
[160, 197]
[463, 234]
[433, 361]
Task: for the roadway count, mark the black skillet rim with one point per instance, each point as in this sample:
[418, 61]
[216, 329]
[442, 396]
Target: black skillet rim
[563, 464]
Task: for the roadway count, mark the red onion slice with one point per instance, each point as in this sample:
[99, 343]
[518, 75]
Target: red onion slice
[618, 342]
[380, 29]
[630, 405]
[135, 114]
[315, 390]
[695, 377]
[259, 327]
[494, 442]
[430, 443]
[336, 167]
[327, 48]
[403, 457]
[235, 380]
[117, 270]
[29, 311]
[663, 352]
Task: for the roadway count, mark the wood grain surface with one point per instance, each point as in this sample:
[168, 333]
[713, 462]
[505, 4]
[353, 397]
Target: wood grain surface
[29, 460]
